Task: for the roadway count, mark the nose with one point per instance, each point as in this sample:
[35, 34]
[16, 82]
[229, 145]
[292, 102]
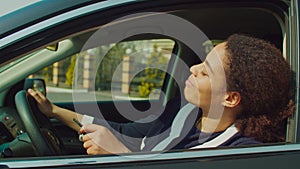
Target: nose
[195, 69]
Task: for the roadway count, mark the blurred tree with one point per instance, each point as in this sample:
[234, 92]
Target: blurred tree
[154, 73]
[108, 65]
[70, 71]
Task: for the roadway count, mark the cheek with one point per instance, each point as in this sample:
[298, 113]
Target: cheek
[204, 96]
[204, 88]
[204, 92]
[200, 95]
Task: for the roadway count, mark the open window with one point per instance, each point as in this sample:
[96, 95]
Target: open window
[133, 70]
[146, 68]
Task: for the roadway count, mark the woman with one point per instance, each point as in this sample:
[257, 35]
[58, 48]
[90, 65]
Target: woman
[257, 98]
[243, 86]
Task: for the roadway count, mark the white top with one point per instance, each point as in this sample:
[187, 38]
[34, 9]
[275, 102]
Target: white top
[222, 138]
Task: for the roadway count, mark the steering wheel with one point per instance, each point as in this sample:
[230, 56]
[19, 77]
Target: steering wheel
[37, 126]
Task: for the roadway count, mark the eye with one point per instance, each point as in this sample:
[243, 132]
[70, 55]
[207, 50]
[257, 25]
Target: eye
[204, 72]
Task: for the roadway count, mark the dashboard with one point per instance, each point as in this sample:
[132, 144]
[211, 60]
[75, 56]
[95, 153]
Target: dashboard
[8, 126]
[13, 140]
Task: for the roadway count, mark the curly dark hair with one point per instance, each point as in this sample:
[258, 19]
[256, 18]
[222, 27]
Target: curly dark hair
[257, 70]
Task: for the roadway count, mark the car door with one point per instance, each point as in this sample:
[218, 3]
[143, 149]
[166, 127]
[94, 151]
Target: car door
[88, 29]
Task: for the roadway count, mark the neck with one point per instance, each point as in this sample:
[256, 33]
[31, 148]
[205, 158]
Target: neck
[211, 125]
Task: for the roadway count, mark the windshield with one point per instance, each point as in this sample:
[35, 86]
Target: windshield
[8, 6]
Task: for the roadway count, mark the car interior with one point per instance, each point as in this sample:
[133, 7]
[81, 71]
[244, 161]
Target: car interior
[25, 132]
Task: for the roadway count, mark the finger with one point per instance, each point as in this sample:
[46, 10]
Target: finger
[40, 94]
[88, 144]
[89, 128]
[94, 149]
[86, 138]
[90, 136]
[90, 151]
[35, 95]
[82, 130]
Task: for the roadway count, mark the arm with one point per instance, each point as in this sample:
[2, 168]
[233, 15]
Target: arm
[51, 110]
[66, 116]
[132, 134]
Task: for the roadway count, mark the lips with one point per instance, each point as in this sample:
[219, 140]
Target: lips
[188, 82]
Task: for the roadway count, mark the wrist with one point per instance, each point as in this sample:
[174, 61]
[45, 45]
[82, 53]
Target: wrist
[55, 111]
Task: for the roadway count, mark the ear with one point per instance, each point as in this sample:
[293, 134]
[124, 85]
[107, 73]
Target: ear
[232, 99]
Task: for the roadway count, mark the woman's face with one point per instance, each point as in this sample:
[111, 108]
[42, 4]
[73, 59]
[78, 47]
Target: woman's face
[207, 81]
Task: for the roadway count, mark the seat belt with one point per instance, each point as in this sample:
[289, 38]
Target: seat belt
[176, 128]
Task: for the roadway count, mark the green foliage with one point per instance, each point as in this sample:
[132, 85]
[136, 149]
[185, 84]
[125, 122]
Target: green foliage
[47, 73]
[154, 74]
[108, 65]
[145, 88]
[70, 71]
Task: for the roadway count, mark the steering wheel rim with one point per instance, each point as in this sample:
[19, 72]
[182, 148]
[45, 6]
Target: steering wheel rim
[37, 126]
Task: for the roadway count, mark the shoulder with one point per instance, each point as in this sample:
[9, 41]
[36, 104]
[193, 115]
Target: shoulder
[239, 139]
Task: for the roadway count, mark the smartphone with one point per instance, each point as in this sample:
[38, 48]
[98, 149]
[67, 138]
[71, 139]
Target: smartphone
[77, 122]
[80, 125]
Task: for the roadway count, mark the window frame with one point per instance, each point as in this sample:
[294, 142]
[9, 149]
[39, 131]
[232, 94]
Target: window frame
[193, 155]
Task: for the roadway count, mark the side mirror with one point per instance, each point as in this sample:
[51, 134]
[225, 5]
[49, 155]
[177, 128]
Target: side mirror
[35, 84]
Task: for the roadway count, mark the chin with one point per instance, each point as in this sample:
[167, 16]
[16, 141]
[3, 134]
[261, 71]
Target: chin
[186, 95]
[191, 97]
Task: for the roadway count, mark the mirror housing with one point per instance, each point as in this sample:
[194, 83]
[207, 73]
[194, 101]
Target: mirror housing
[52, 47]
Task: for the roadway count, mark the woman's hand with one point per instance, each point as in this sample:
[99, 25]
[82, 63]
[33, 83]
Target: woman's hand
[44, 104]
[100, 140]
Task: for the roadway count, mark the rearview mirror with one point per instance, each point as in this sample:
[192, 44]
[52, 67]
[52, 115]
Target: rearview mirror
[35, 84]
[52, 47]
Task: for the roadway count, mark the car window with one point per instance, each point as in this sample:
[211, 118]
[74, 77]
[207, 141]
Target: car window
[132, 70]
[136, 69]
